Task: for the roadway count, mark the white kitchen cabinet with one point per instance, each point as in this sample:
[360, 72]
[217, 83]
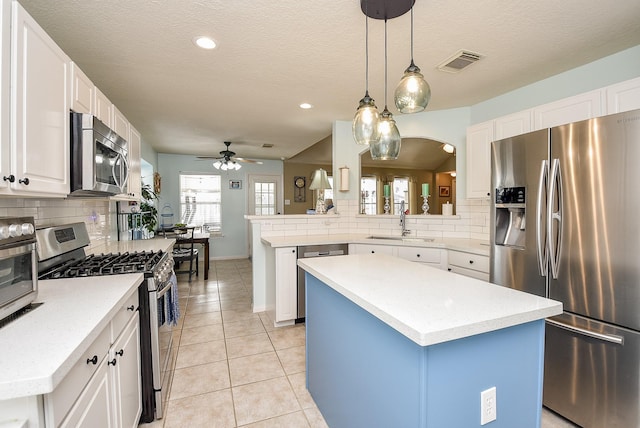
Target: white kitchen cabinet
[469, 264]
[120, 123]
[372, 249]
[430, 256]
[104, 386]
[82, 91]
[124, 357]
[40, 111]
[103, 108]
[479, 138]
[568, 110]
[94, 406]
[514, 124]
[135, 175]
[5, 93]
[623, 96]
[286, 284]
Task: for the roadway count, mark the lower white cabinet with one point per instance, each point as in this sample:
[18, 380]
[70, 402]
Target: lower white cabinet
[435, 257]
[468, 264]
[372, 249]
[103, 389]
[286, 284]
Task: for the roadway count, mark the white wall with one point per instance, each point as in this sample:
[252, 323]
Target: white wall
[234, 242]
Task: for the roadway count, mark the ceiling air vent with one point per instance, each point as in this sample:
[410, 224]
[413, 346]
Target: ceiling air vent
[459, 61]
[267, 146]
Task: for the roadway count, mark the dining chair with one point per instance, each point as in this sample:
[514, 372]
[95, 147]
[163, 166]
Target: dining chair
[184, 251]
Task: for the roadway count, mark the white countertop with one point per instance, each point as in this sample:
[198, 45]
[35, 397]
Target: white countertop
[39, 348]
[155, 244]
[474, 246]
[425, 304]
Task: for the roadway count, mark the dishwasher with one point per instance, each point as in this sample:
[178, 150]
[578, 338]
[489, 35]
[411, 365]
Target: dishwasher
[306, 252]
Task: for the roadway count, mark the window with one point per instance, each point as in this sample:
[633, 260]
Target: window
[368, 189]
[201, 200]
[400, 193]
[265, 198]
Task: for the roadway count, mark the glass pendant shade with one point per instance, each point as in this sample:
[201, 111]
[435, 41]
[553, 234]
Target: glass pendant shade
[365, 122]
[388, 146]
[413, 92]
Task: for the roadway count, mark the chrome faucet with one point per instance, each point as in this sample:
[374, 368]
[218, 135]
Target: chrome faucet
[403, 220]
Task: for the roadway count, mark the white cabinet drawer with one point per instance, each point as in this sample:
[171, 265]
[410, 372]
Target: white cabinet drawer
[470, 273]
[417, 254]
[372, 249]
[126, 311]
[469, 261]
[58, 403]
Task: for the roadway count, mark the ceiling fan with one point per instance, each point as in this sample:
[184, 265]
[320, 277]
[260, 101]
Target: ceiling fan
[226, 160]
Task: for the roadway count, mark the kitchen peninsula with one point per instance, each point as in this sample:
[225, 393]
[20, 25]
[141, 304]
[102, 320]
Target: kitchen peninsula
[395, 343]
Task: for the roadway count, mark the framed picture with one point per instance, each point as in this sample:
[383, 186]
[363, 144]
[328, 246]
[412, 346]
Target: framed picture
[235, 184]
[444, 191]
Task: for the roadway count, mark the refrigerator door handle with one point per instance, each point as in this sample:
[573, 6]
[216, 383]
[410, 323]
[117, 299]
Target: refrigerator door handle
[541, 246]
[612, 338]
[554, 245]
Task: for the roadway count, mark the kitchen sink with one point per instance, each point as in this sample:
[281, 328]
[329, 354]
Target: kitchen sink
[402, 238]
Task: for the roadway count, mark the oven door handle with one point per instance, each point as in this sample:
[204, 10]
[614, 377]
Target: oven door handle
[162, 291]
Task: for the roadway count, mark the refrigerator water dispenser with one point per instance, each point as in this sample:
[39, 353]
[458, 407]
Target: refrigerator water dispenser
[510, 217]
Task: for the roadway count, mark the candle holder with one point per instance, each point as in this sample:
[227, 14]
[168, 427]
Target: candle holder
[387, 206]
[425, 204]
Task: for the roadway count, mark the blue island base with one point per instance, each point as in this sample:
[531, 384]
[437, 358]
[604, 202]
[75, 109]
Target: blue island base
[363, 373]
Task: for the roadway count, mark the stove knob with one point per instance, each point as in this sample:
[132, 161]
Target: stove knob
[27, 229]
[15, 230]
[4, 232]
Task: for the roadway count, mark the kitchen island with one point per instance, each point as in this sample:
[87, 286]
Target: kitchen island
[395, 343]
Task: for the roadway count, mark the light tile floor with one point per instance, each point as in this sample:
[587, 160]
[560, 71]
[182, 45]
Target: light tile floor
[232, 368]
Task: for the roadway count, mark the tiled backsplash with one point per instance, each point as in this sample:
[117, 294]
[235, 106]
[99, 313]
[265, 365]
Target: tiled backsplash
[99, 214]
[471, 221]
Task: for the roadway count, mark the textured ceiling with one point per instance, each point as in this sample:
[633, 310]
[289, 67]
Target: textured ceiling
[274, 55]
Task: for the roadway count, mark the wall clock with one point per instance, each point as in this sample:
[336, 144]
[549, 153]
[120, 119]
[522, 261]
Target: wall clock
[299, 189]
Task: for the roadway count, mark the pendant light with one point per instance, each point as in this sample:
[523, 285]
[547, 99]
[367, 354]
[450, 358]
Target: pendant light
[365, 122]
[413, 92]
[388, 145]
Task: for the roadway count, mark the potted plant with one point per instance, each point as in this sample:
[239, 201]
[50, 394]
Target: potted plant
[148, 209]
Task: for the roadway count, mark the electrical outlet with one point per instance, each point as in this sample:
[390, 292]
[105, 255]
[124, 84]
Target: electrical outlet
[488, 406]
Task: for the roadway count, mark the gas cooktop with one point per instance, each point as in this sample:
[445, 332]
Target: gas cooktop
[106, 264]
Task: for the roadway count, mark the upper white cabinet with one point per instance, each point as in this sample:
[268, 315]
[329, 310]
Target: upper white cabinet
[120, 123]
[568, 110]
[40, 111]
[82, 91]
[102, 108]
[512, 125]
[624, 96]
[135, 167]
[5, 90]
[479, 138]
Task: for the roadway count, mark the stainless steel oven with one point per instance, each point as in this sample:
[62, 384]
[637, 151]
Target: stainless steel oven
[18, 264]
[98, 158]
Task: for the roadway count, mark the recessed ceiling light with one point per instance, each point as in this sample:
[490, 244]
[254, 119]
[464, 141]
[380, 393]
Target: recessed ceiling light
[306, 106]
[204, 42]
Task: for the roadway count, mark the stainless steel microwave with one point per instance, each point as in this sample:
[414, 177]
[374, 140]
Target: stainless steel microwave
[99, 163]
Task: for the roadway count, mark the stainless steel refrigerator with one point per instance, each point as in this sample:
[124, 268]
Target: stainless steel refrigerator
[565, 224]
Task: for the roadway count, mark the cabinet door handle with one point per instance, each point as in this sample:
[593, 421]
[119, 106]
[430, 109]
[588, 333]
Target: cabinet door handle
[470, 262]
[373, 252]
[112, 362]
[93, 360]
[10, 178]
[449, 269]
[131, 308]
[24, 181]
[120, 352]
[417, 255]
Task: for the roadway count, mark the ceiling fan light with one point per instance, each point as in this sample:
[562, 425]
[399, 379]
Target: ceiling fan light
[413, 93]
[365, 122]
[217, 164]
[388, 146]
